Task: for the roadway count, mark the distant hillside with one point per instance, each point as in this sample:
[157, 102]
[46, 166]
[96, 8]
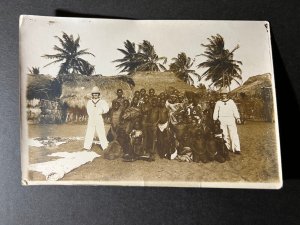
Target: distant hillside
[254, 84]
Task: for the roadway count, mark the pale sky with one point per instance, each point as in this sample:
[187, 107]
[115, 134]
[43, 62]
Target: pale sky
[103, 36]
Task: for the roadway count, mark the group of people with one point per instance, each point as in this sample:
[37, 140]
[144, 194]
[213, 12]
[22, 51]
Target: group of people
[169, 124]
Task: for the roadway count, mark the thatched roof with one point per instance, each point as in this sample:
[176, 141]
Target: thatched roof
[160, 81]
[253, 86]
[76, 89]
[42, 87]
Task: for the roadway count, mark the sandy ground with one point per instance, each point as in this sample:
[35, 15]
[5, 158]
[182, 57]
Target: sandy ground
[257, 163]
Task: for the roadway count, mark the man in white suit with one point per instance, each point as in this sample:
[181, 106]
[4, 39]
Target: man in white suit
[227, 113]
[95, 108]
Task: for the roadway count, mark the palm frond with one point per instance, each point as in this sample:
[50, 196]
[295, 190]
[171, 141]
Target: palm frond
[69, 55]
[84, 52]
[56, 61]
[222, 68]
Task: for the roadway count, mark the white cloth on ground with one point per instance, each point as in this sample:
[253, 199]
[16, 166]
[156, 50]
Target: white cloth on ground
[51, 141]
[56, 169]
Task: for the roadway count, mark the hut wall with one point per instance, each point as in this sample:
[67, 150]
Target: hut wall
[45, 111]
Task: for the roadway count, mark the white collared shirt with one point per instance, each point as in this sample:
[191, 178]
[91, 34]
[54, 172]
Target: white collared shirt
[226, 111]
[96, 107]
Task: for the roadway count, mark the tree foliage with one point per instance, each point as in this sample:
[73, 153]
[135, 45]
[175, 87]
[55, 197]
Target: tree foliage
[34, 70]
[43, 87]
[181, 66]
[222, 68]
[139, 58]
[70, 57]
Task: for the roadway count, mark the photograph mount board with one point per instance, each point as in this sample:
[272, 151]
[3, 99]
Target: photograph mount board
[180, 103]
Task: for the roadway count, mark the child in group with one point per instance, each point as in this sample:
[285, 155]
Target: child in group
[137, 140]
[215, 144]
[179, 128]
[222, 153]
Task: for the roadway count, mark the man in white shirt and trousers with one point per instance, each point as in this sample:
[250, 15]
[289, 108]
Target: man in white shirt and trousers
[95, 108]
[227, 113]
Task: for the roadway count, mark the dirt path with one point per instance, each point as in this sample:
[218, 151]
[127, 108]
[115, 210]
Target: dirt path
[257, 163]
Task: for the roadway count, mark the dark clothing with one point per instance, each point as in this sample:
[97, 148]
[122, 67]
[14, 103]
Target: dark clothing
[150, 132]
[165, 143]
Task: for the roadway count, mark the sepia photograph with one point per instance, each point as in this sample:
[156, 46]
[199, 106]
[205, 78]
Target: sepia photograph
[177, 103]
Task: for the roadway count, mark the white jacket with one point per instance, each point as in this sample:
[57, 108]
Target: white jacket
[95, 108]
[226, 112]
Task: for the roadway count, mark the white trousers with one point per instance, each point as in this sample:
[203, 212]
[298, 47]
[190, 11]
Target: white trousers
[231, 136]
[95, 125]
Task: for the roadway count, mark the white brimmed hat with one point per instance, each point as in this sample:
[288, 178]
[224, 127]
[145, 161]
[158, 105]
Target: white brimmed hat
[95, 90]
[223, 90]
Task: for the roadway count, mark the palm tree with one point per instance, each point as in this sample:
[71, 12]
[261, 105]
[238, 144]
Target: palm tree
[69, 56]
[85, 68]
[182, 68]
[143, 59]
[129, 63]
[222, 68]
[34, 70]
[149, 59]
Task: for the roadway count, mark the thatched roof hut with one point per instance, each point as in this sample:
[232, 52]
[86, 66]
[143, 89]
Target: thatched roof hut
[253, 86]
[76, 89]
[160, 81]
[42, 87]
